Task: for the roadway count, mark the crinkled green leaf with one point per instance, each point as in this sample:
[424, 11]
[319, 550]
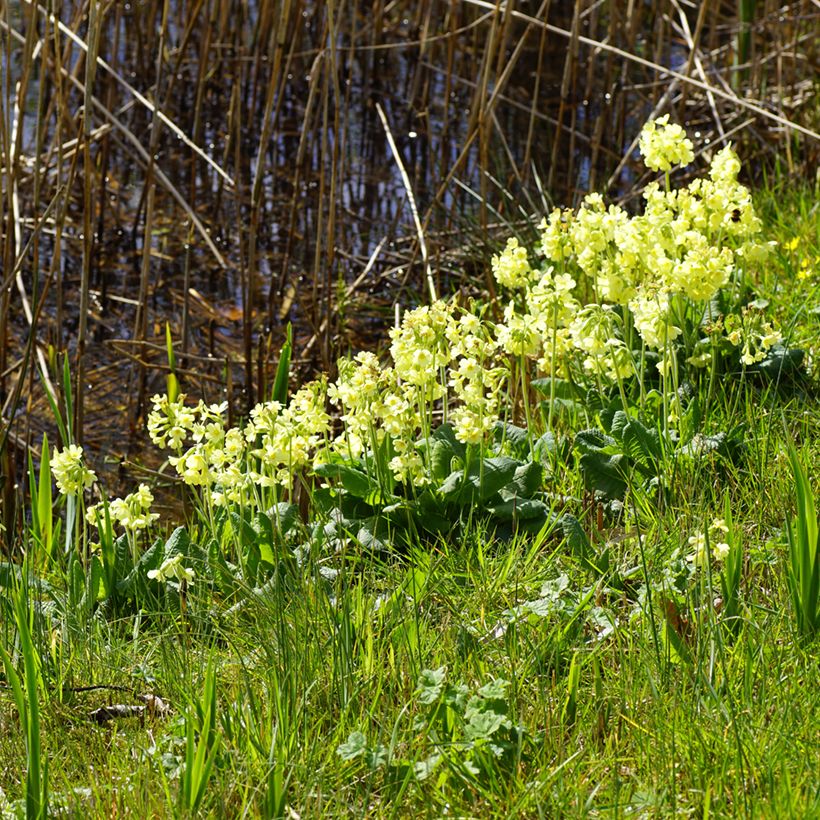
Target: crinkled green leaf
[517, 437]
[496, 689]
[604, 473]
[353, 747]
[356, 482]
[640, 442]
[482, 480]
[520, 509]
[430, 684]
[485, 723]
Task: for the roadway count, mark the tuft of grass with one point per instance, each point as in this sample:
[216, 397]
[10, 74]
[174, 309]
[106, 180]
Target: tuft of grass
[26, 696]
[803, 570]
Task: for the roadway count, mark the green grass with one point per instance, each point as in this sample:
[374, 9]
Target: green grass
[617, 704]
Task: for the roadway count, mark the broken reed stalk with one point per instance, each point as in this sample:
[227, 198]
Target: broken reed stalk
[141, 321]
[275, 51]
[94, 28]
[431, 285]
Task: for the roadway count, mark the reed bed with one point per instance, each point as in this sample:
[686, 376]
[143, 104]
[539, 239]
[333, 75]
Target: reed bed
[225, 168]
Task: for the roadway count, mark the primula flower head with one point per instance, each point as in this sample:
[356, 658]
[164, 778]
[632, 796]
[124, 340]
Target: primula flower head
[718, 531]
[664, 144]
[132, 513]
[170, 422]
[725, 166]
[172, 568]
[69, 471]
[511, 267]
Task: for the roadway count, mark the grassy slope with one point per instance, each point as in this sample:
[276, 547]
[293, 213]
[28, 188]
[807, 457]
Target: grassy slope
[731, 730]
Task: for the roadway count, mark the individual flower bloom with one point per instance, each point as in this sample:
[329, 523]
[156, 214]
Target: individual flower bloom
[664, 144]
[748, 358]
[234, 444]
[511, 267]
[733, 329]
[211, 433]
[770, 336]
[175, 437]
[212, 412]
[91, 513]
[665, 366]
[172, 568]
[69, 471]
[719, 525]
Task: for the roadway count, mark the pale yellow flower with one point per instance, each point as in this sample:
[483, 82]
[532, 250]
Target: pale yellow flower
[69, 471]
[663, 145]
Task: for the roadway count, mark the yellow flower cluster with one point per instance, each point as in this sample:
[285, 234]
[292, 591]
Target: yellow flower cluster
[511, 267]
[718, 530]
[439, 353]
[286, 438]
[752, 334]
[70, 472]
[601, 284]
[231, 463]
[132, 513]
[652, 268]
[664, 144]
[420, 347]
[476, 379]
[170, 422]
[172, 567]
